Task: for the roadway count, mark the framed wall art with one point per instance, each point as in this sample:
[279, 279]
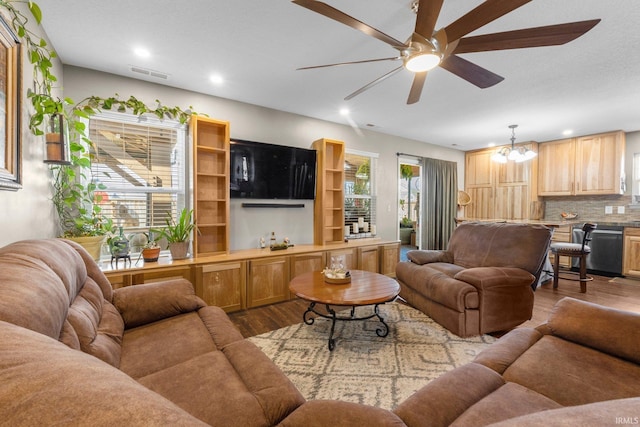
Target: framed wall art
[10, 79]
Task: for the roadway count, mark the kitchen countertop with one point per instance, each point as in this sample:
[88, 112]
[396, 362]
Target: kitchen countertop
[554, 222]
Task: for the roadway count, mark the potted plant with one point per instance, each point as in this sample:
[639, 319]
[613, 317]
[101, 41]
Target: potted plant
[178, 233]
[151, 251]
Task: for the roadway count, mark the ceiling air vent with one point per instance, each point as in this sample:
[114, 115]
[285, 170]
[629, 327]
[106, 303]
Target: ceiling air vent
[150, 73]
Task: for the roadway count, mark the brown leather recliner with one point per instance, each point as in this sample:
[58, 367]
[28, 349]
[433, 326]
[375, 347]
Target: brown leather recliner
[483, 282]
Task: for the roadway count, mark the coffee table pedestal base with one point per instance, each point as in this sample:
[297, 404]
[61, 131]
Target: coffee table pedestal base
[331, 314]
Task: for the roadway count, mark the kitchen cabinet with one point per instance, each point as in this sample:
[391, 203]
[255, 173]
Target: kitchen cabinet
[268, 281]
[585, 165]
[499, 190]
[631, 252]
[222, 284]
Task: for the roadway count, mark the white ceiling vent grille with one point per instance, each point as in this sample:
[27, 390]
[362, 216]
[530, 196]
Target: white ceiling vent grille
[150, 73]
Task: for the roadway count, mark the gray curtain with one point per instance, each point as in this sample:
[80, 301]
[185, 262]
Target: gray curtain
[440, 189]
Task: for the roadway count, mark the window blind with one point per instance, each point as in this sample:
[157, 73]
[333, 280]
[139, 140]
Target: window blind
[142, 165]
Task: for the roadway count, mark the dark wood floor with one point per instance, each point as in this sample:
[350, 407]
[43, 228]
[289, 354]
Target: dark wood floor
[617, 293]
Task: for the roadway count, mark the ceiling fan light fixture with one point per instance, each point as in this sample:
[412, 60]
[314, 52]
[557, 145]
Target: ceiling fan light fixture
[422, 62]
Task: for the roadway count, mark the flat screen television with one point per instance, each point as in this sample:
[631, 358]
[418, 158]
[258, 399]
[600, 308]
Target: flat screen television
[268, 171]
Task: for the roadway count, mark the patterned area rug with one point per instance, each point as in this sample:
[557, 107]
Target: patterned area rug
[363, 367]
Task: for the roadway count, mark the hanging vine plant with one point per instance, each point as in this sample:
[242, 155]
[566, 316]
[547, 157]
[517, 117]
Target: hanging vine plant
[74, 195]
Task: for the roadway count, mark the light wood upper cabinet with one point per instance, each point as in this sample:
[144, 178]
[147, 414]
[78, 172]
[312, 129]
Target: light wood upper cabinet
[556, 168]
[582, 166]
[499, 190]
[599, 163]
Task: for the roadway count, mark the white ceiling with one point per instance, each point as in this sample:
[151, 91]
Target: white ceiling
[589, 85]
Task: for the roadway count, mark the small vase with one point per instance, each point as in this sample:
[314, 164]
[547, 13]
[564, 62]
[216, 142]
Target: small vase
[179, 250]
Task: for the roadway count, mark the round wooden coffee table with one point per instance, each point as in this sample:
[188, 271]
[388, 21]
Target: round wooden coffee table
[366, 288]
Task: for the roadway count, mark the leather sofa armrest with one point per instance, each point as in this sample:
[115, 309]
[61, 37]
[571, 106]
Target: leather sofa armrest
[142, 304]
[502, 353]
[429, 256]
[490, 277]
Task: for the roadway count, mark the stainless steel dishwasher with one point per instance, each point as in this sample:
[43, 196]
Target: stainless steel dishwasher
[606, 249]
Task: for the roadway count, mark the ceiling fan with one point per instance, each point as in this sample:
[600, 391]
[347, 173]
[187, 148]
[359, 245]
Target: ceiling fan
[427, 48]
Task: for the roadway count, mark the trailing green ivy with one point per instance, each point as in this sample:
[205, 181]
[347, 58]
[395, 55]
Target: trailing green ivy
[75, 189]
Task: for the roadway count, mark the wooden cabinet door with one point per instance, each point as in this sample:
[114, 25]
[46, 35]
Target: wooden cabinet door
[599, 165]
[268, 281]
[305, 263]
[631, 253]
[162, 274]
[349, 256]
[368, 258]
[480, 184]
[222, 285]
[389, 258]
[556, 168]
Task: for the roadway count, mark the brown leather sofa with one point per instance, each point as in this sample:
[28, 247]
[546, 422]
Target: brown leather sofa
[483, 282]
[75, 352]
[580, 368]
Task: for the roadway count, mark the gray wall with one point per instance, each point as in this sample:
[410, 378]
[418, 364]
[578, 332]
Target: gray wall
[28, 213]
[36, 218]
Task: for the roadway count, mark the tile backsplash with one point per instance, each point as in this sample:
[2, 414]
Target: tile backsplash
[591, 208]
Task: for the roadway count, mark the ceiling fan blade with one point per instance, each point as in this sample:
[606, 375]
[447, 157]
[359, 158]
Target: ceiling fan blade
[395, 58]
[551, 35]
[337, 15]
[428, 11]
[471, 72]
[486, 12]
[373, 83]
[416, 87]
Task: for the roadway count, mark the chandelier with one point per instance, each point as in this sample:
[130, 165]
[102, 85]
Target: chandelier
[517, 154]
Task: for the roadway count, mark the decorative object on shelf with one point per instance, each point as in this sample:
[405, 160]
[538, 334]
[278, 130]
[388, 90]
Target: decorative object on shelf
[272, 241]
[57, 140]
[178, 232]
[569, 215]
[119, 247]
[519, 154]
[151, 250]
[336, 274]
[463, 198]
[263, 243]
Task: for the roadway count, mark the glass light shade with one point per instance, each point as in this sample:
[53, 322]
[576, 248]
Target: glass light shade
[515, 155]
[499, 157]
[422, 62]
[528, 154]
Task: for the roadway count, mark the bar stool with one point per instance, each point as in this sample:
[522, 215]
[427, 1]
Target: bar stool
[581, 250]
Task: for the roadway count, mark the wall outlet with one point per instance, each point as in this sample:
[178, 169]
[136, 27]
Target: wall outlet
[608, 209]
[620, 209]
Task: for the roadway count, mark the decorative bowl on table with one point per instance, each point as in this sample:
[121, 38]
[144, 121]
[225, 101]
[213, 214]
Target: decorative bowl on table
[336, 277]
[569, 215]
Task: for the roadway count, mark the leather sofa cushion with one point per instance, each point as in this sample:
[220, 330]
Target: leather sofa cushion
[609, 330]
[499, 245]
[44, 382]
[573, 374]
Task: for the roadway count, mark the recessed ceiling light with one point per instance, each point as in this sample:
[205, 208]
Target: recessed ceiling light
[142, 52]
[216, 79]
[567, 132]
[344, 111]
